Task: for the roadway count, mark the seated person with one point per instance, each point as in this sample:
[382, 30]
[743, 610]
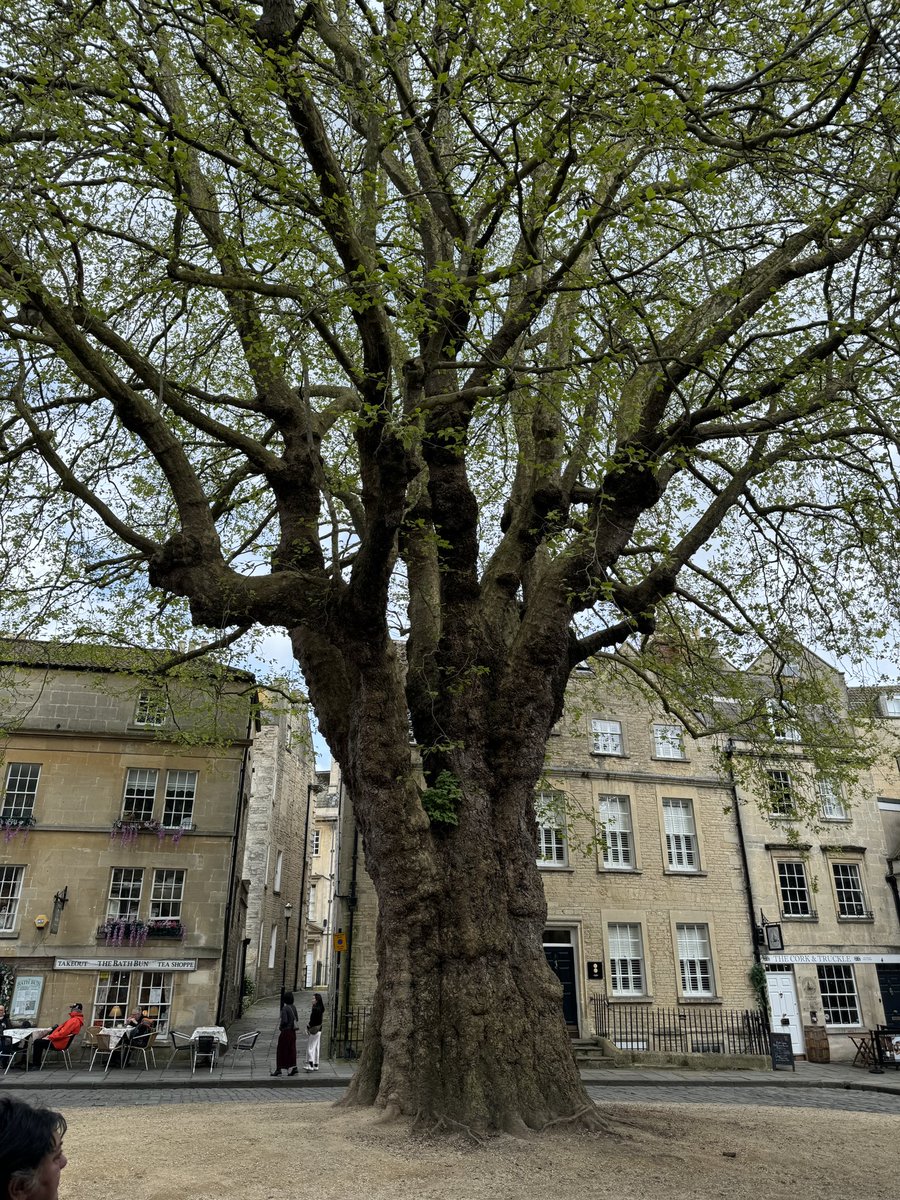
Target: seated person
[60, 1036]
[138, 1028]
[5, 1023]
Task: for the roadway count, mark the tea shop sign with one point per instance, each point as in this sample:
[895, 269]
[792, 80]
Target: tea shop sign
[126, 964]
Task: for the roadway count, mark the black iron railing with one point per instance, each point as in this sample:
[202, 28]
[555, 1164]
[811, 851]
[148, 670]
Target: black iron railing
[698, 1029]
[348, 1030]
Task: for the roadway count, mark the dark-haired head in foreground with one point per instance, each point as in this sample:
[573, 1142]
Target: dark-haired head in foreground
[31, 1154]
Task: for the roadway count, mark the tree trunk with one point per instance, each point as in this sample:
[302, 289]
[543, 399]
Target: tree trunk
[467, 1027]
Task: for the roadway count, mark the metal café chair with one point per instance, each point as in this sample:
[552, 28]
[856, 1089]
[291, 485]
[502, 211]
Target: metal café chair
[144, 1048]
[102, 1046]
[9, 1052]
[60, 1051]
[204, 1046]
[244, 1044]
[88, 1042]
[180, 1041]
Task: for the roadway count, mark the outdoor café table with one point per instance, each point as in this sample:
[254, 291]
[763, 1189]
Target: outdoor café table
[22, 1037]
[865, 1050]
[216, 1031]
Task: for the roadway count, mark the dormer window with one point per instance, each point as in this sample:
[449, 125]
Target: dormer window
[891, 703]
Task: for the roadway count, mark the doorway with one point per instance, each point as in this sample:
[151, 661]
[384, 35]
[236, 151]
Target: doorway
[560, 954]
[889, 982]
[783, 1006]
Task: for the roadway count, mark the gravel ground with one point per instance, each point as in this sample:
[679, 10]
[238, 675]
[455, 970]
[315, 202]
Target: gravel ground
[652, 1152]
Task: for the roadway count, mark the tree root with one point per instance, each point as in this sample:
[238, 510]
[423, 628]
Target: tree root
[587, 1116]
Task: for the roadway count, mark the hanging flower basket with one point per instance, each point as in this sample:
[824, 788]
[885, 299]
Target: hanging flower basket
[123, 933]
[127, 828]
[11, 826]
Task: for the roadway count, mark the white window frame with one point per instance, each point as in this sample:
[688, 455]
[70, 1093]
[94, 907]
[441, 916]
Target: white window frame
[10, 894]
[167, 894]
[668, 742]
[849, 892]
[695, 961]
[781, 794]
[155, 991]
[151, 709]
[20, 790]
[840, 998]
[831, 802]
[781, 715]
[273, 946]
[618, 832]
[682, 843]
[311, 903]
[184, 782]
[607, 737]
[549, 811]
[793, 888]
[316, 843]
[126, 885]
[112, 989]
[138, 782]
[890, 702]
[627, 976]
[279, 864]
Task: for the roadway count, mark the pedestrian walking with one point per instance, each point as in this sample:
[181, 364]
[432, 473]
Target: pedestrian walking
[286, 1050]
[314, 1033]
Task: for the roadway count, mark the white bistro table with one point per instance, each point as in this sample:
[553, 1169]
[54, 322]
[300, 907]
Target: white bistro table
[22, 1037]
[216, 1031]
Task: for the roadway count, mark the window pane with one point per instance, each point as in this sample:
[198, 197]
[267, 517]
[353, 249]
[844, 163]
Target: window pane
[140, 793]
[124, 894]
[607, 737]
[10, 891]
[626, 960]
[781, 796]
[848, 889]
[551, 826]
[155, 998]
[150, 709]
[830, 803]
[166, 895]
[615, 817]
[21, 787]
[668, 741]
[681, 834]
[695, 960]
[181, 788]
[111, 1005]
[794, 892]
[838, 988]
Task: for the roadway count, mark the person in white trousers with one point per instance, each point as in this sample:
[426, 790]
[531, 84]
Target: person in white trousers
[314, 1033]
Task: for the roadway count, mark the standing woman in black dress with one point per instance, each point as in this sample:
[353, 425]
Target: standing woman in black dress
[314, 1032]
[286, 1050]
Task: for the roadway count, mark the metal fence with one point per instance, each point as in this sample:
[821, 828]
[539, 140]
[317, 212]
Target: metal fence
[699, 1029]
[348, 1030]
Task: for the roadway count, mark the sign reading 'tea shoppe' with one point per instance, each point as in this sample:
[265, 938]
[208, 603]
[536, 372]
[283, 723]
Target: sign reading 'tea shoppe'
[126, 964]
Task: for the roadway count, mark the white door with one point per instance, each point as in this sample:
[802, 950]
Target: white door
[783, 1006]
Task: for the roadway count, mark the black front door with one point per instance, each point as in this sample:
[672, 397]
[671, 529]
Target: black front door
[562, 961]
[889, 982]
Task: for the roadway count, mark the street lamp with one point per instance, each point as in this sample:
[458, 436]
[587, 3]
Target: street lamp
[312, 789]
[288, 909]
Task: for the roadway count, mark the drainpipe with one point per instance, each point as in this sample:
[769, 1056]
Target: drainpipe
[745, 864]
[232, 874]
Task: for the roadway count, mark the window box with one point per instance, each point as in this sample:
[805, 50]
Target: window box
[123, 933]
[161, 927]
[11, 826]
[128, 826]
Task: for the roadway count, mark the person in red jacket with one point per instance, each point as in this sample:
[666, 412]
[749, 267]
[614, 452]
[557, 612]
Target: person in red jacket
[58, 1037]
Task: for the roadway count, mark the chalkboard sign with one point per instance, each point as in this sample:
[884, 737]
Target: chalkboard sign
[782, 1051]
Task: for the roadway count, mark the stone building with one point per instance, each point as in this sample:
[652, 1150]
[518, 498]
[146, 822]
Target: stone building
[829, 924]
[122, 829]
[668, 886]
[282, 775]
[323, 851]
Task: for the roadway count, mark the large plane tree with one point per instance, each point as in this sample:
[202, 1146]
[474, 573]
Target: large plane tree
[511, 333]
